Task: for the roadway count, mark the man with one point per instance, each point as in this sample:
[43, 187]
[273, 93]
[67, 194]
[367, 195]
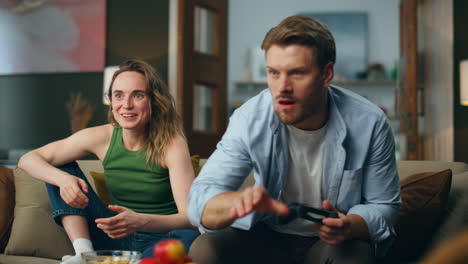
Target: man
[306, 142]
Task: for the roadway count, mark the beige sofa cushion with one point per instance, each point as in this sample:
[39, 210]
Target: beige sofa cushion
[7, 204]
[34, 232]
[459, 184]
[451, 251]
[6, 259]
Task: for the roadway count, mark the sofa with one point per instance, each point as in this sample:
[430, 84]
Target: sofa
[432, 193]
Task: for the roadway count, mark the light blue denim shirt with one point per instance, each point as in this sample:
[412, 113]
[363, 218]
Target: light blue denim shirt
[359, 171]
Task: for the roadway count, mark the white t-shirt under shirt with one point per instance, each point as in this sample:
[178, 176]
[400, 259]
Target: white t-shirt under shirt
[304, 180]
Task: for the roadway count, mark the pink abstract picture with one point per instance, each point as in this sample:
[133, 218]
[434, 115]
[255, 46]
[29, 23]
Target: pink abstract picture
[44, 36]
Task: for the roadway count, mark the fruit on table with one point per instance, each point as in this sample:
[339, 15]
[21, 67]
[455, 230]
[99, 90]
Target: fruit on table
[148, 261]
[110, 261]
[187, 259]
[170, 251]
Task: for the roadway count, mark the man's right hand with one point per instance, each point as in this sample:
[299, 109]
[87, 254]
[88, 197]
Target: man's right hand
[72, 191]
[256, 199]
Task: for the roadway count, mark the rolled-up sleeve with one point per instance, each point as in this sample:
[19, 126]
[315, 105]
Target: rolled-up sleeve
[225, 170]
[381, 190]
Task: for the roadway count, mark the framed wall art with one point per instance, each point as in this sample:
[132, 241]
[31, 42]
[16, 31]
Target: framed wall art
[45, 36]
[350, 30]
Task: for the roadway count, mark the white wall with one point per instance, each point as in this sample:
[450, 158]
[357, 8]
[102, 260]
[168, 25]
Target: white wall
[436, 45]
[249, 20]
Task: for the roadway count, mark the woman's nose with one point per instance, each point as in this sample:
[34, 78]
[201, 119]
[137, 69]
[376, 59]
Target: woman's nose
[128, 103]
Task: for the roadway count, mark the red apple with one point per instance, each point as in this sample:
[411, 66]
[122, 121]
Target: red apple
[187, 259]
[148, 261]
[170, 251]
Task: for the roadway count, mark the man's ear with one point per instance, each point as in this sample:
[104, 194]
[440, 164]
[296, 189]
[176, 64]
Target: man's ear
[327, 73]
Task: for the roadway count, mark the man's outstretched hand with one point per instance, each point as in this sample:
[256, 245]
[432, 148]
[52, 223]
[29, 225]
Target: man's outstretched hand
[256, 199]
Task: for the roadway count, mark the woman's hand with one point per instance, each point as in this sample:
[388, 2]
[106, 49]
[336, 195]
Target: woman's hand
[72, 191]
[121, 225]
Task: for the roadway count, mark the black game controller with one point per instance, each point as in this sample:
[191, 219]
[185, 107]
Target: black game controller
[297, 210]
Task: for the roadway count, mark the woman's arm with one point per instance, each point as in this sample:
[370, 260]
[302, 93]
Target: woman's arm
[41, 163]
[181, 175]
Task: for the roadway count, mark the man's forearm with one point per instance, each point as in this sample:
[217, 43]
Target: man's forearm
[216, 214]
[359, 229]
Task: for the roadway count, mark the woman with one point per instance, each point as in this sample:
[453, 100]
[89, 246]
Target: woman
[147, 166]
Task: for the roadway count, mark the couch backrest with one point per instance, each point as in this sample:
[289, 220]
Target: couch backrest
[405, 168]
[408, 167]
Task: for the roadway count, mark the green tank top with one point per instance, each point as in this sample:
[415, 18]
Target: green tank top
[132, 184]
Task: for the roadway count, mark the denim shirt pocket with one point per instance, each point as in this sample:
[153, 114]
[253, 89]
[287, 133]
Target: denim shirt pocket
[350, 189]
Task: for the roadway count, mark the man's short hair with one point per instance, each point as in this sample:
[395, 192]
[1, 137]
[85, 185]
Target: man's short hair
[303, 30]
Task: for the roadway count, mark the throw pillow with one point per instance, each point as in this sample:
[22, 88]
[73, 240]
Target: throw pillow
[424, 197]
[196, 164]
[101, 188]
[34, 232]
[7, 204]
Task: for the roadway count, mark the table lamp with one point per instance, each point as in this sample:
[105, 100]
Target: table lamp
[464, 82]
[108, 73]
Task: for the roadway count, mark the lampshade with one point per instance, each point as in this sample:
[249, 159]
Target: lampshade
[464, 82]
[108, 73]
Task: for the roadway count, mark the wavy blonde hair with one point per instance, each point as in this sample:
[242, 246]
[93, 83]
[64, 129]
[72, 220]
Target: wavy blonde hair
[164, 122]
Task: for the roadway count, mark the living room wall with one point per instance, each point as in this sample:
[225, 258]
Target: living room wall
[32, 106]
[247, 29]
[435, 47]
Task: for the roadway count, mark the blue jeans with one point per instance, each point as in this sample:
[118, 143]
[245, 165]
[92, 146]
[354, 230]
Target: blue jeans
[138, 241]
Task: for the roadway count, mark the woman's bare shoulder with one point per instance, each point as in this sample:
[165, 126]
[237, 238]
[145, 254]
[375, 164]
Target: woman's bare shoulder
[177, 142]
[95, 135]
[95, 139]
[177, 149]
[102, 130]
